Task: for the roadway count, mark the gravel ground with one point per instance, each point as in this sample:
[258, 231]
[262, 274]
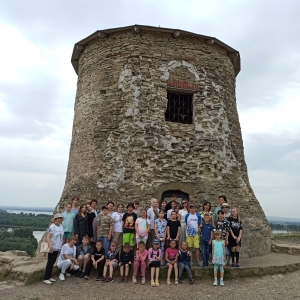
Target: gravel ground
[269, 287]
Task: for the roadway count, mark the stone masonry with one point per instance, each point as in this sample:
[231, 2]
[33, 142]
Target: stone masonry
[122, 148]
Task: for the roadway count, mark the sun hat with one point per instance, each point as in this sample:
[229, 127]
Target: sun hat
[56, 216]
[225, 204]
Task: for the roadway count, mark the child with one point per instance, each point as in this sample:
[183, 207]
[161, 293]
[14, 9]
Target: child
[223, 225]
[162, 206]
[126, 260]
[98, 257]
[193, 224]
[104, 229]
[136, 208]
[154, 257]
[67, 259]
[84, 252]
[67, 223]
[173, 228]
[91, 220]
[225, 209]
[219, 256]
[112, 262]
[75, 207]
[142, 227]
[81, 223]
[206, 239]
[117, 231]
[184, 262]
[182, 213]
[236, 230]
[171, 258]
[128, 226]
[160, 227]
[140, 262]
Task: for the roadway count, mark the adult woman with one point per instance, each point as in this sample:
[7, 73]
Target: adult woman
[54, 239]
[75, 201]
[206, 207]
[81, 224]
[93, 204]
[182, 213]
[162, 206]
[91, 219]
[117, 232]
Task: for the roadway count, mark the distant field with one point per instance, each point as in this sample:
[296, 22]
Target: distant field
[292, 237]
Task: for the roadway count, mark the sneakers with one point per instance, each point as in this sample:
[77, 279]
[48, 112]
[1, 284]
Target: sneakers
[143, 280]
[86, 277]
[237, 266]
[125, 280]
[192, 263]
[81, 275]
[221, 282]
[176, 281]
[215, 282]
[98, 278]
[103, 279]
[109, 280]
[61, 276]
[157, 283]
[134, 279]
[152, 283]
[52, 280]
[191, 281]
[68, 274]
[180, 280]
[204, 267]
[47, 281]
[233, 265]
[78, 274]
[199, 263]
[121, 279]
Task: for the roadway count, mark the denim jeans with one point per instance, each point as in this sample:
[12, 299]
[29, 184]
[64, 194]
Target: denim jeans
[105, 243]
[205, 252]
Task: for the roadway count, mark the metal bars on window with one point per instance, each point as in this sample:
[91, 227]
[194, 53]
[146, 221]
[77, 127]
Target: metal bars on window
[180, 108]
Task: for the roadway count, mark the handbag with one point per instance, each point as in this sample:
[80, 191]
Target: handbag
[44, 247]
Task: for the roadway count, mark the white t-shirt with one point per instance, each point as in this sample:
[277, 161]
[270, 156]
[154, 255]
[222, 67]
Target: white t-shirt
[183, 213]
[71, 252]
[152, 216]
[117, 217]
[57, 235]
[169, 213]
[192, 224]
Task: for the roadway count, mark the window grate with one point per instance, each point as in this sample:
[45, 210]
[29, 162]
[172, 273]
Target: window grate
[180, 108]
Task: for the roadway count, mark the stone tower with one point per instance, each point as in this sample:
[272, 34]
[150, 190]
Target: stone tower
[155, 111]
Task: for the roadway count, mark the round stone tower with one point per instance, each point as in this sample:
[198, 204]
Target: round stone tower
[155, 111]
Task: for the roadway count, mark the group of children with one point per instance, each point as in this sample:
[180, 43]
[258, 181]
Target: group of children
[148, 237]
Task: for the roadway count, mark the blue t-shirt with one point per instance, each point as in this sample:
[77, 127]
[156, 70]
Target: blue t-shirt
[206, 230]
[192, 224]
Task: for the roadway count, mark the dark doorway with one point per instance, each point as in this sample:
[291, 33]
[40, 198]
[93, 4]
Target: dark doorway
[180, 195]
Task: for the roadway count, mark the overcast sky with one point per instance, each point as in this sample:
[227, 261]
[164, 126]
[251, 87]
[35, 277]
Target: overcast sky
[38, 85]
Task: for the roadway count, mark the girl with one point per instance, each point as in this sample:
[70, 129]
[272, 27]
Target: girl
[154, 257]
[184, 262]
[112, 262]
[182, 213]
[136, 208]
[81, 223]
[173, 228]
[206, 209]
[219, 256]
[93, 205]
[162, 206]
[75, 207]
[160, 227]
[54, 239]
[171, 258]
[236, 230]
[67, 223]
[140, 262]
[142, 227]
[91, 219]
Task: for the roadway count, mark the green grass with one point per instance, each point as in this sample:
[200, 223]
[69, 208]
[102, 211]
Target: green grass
[287, 236]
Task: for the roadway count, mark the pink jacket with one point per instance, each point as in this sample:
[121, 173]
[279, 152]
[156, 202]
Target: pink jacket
[141, 256]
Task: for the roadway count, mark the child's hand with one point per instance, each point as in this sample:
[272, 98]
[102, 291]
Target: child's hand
[209, 243]
[120, 264]
[130, 263]
[238, 240]
[72, 266]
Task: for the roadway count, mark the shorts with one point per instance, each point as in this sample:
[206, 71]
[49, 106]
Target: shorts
[128, 238]
[115, 265]
[67, 235]
[125, 263]
[167, 264]
[193, 241]
[154, 264]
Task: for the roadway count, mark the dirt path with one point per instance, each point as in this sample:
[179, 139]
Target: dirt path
[269, 287]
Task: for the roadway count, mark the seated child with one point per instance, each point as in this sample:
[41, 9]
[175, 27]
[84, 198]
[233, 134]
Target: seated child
[67, 258]
[184, 262]
[171, 257]
[140, 262]
[98, 259]
[126, 260]
[154, 257]
[112, 262]
[84, 252]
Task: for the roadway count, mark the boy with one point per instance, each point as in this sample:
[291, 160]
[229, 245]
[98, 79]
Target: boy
[98, 259]
[173, 228]
[126, 260]
[193, 225]
[206, 239]
[84, 253]
[104, 229]
[128, 225]
[68, 219]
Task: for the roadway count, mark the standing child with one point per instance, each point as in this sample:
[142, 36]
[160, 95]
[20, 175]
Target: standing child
[142, 227]
[173, 228]
[91, 219]
[184, 262]
[171, 258]
[236, 230]
[98, 259]
[75, 207]
[160, 227]
[84, 252]
[126, 260]
[117, 231]
[206, 239]
[223, 225]
[128, 224]
[112, 262]
[105, 225]
[219, 256]
[81, 223]
[154, 257]
[140, 262]
[67, 223]
[183, 212]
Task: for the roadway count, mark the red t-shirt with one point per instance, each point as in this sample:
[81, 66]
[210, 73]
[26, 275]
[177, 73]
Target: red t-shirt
[171, 253]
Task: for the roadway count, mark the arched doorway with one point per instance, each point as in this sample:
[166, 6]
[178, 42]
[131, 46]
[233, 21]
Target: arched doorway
[180, 195]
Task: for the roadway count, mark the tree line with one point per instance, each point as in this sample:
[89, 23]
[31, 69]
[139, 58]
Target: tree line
[288, 227]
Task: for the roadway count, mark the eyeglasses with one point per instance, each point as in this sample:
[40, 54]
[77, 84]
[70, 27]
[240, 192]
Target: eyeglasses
[184, 202]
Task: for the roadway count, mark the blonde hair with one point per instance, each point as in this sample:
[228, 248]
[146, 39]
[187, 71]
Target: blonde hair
[218, 231]
[238, 214]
